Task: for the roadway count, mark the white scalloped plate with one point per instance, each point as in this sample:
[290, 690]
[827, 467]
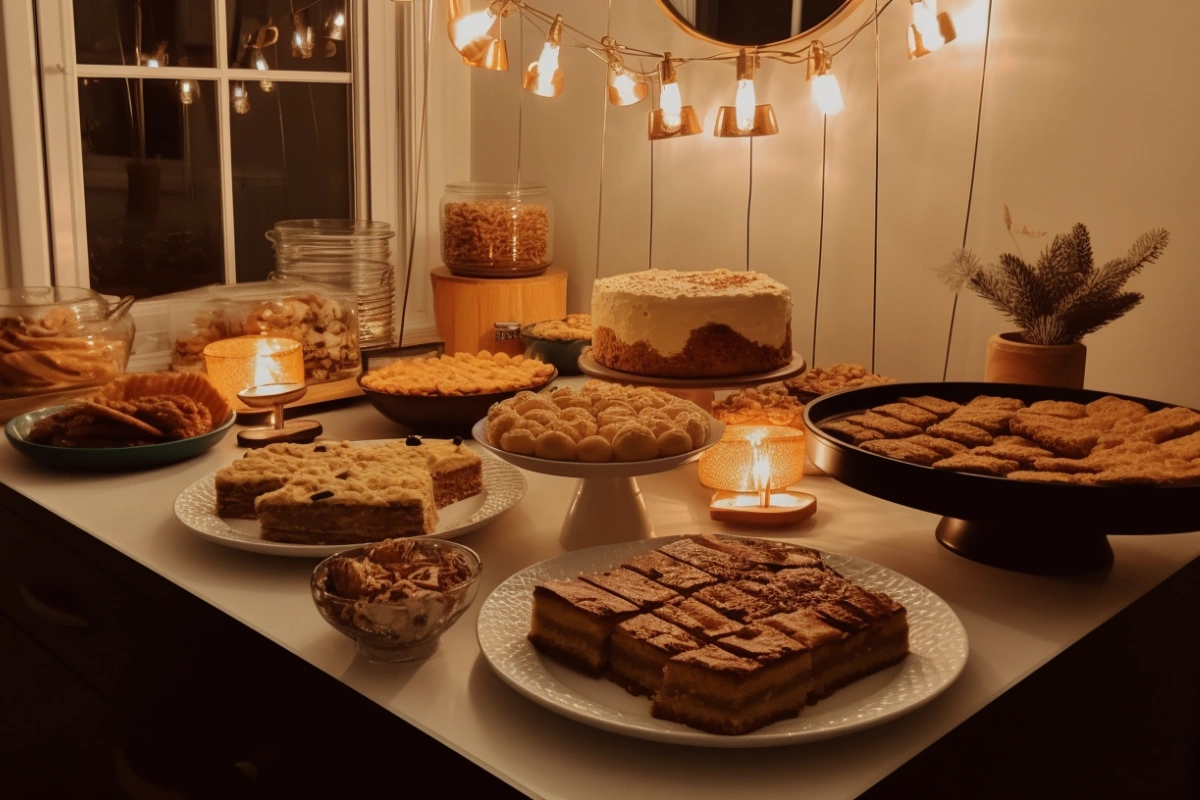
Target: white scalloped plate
[196, 507]
[937, 655]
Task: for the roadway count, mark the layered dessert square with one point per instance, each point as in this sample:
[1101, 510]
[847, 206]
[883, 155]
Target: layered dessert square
[574, 621]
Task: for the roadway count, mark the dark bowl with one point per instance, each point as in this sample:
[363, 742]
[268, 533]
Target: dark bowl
[440, 415]
[562, 354]
[1031, 527]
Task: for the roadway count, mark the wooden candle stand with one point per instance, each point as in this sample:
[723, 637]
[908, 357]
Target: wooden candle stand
[467, 309]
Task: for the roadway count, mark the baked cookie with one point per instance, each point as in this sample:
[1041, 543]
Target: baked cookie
[943, 447]
[934, 405]
[987, 401]
[1025, 456]
[993, 420]
[903, 450]
[888, 426]
[907, 413]
[1062, 437]
[849, 431]
[978, 465]
[1059, 408]
[1037, 476]
[961, 432]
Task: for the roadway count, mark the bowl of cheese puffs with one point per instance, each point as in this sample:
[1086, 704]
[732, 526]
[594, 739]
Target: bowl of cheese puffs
[446, 394]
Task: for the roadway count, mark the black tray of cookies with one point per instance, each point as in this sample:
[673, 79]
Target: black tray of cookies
[1044, 528]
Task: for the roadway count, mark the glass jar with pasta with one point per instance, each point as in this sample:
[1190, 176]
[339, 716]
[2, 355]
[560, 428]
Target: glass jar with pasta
[497, 230]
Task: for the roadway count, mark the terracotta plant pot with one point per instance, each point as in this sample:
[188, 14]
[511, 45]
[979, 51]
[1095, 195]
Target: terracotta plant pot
[1010, 359]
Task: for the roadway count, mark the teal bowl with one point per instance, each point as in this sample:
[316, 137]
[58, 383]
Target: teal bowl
[107, 458]
[561, 353]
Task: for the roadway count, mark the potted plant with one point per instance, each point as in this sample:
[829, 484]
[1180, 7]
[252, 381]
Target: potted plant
[1054, 303]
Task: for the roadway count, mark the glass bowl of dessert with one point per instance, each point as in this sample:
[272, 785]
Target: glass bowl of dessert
[559, 341]
[397, 597]
[57, 338]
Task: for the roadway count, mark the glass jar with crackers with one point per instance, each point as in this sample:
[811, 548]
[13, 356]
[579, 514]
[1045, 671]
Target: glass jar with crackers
[321, 317]
[497, 230]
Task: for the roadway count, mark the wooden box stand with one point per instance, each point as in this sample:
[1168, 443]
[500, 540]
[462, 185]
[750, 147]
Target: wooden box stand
[467, 309]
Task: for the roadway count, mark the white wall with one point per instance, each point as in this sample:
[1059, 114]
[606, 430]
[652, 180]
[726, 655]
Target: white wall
[1079, 123]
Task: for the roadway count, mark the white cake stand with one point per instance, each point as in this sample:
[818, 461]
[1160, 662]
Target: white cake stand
[699, 390]
[607, 506]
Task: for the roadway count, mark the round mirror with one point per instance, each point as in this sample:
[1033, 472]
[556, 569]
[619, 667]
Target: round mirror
[753, 23]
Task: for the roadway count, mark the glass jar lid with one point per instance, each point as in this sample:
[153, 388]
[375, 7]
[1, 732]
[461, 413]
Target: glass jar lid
[485, 189]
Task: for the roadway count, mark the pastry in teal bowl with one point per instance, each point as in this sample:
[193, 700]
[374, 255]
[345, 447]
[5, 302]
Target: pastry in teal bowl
[559, 341]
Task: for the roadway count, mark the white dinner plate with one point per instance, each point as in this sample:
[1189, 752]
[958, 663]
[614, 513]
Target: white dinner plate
[937, 655]
[196, 507]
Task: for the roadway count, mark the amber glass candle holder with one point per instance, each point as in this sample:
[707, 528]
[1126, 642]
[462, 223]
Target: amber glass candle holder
[234, 365]
[752, 467]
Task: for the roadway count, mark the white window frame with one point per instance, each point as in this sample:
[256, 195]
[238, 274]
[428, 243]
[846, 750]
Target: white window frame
[387, 84]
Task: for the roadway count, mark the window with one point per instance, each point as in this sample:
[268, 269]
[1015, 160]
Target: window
[153, 181]
[191, 126]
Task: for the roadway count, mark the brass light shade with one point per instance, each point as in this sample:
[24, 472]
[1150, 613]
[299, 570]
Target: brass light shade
[471, 35]
[544, 77]
[740, 120]
[672, 119]
[625, 88]
[335, 26]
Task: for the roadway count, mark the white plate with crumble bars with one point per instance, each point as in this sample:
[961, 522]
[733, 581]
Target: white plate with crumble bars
[196, 507]
[937, 655]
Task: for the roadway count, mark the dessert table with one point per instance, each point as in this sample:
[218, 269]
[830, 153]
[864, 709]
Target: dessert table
[1016, 623]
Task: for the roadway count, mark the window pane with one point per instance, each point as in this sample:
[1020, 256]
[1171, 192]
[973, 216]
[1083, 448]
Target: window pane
[173, 33]
[152, 186]
[291, 160]
[314, 38]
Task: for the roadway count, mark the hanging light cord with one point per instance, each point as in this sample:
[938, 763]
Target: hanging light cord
[412, 229]
[987, 38]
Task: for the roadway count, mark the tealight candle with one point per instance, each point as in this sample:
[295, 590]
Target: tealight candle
[752, 466]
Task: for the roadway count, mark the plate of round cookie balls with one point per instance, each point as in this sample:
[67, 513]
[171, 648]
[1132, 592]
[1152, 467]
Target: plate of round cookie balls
[601, 430]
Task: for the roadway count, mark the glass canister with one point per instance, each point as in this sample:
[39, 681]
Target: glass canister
[497, 230]
[353, 254]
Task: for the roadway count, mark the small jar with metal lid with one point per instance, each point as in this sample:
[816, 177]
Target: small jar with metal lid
[508, 338]
[497, 230]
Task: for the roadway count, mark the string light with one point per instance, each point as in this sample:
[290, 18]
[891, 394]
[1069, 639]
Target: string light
[304, 36]
[672, 118]
[746, 117]
[471, 35]
[625, 88]
[240, 98]
[335, 26]
[929, 29]
[476, 39]
[544, 77]
[825, 88]
[187, 92]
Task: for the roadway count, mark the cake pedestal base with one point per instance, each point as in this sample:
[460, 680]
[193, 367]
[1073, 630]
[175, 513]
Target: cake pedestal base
[1025, 547]
[605, 511]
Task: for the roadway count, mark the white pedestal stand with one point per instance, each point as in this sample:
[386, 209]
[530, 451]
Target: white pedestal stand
[607, 506]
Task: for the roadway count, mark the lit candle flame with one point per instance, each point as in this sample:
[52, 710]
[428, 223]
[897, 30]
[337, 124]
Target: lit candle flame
[760, 475]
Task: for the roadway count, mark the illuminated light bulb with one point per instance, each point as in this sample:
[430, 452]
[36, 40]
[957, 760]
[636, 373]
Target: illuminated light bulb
[266, 85]
[335, 26]
[187, 92]
[745, 103]
[152, 62]
[929, 29]
[471, 35]
[746, 117]
[624, 87]
[304, 36]
[672, 118]
[825, 88]
[260, 62]
[544, 77]
[240, 98]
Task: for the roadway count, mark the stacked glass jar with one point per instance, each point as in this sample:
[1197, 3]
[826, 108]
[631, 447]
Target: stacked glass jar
[354, 254]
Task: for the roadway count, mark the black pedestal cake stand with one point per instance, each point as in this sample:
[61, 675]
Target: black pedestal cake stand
[1055, 529]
